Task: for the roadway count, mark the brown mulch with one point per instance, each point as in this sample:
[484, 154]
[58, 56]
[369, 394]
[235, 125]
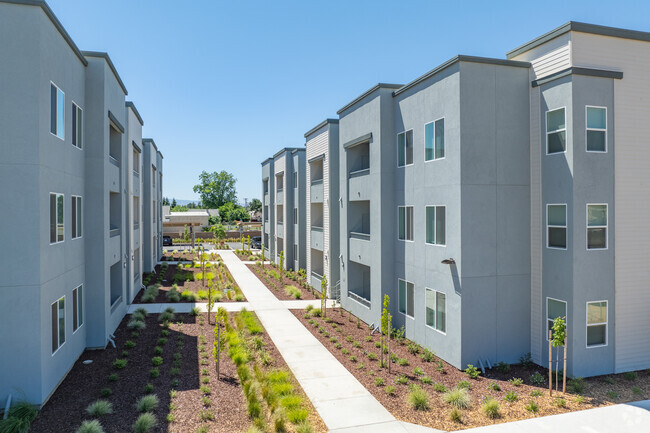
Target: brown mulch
[368, 371]
[192, 286]
[276, 287]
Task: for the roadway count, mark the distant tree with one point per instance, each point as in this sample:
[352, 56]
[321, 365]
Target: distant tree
[255, 205]
[165, 201]
[214, 219]
[179, 208]
[173, 203]
[230, 212]
[216, 189]
[219, 231]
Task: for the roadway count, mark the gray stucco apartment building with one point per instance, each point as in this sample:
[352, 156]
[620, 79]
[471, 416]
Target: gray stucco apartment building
[83, 192]
[490, 196]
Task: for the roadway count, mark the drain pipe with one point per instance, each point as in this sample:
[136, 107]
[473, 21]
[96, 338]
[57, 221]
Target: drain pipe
[110, 339]
[7, 407]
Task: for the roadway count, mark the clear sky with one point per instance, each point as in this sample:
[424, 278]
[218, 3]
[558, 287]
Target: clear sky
[222, 85]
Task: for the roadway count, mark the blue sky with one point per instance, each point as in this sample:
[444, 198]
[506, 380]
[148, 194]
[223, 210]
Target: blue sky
[223, 85]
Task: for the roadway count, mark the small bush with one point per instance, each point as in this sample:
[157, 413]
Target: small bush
[402, 380]
[426, 380]
[417, 371]
[579, 399]
[372, 356]
[353, 358]
[413, 349]
[494, 386]
[609, 380]
[502, 367]
[390, 390]
[379, 381]
[106, 392]
[195, 311]
[154, 373]
[119, 363]
[147, 403]
[439, 387]
[144, 423]
[113, 377]
[491, 408]
[511, 396]
[293, 291]
[427, 355]
[304, 427]
[526, 360]
[167, 315]
[455, 415]
[536, 393]
[156, 361]
[537, 379]
[472, 371]
[173, 295]
[206, 415]
[560, 402]
[532, 407]
[419, 399]
[631, 375]
[298, 415]
[205, 390]
[463, 384]
[129, 344]
[636, 390]
[99, 408]
[148, 388]
[576, 386]
[86, 427]
[458, 398]
[613, 395]
[402, 362]
[516, 381]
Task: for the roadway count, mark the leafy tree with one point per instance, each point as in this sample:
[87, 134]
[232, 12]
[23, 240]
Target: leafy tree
[179, 208]
[230, 212]
[165, 201]
[214, 219]
[219, 341]
[255, 205]
[219, 231]
[173, 203]
[216, 189]
[386, 330]
[323, 296]
[559, 335]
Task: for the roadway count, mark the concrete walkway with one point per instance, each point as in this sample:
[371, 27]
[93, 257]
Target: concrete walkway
[343, 403]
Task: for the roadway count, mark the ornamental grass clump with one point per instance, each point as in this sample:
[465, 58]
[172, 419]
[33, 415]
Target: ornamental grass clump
[144, 423]
[458, 398]
[99, 408]
[86, 427]
[419, 399]
[147, 403]
[293, 291]
[491, 408]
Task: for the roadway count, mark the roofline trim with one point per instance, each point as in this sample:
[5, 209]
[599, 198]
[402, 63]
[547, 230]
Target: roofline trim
[363, 139]
[320, 125]
[131, 105]
[116, 122]
[269, 159]
[582, 28]
[457, 59]
[317, 158]
[150, 140]
[57, 24]
[287, 149]
[589, 72]
[368, 92]
[106, 57]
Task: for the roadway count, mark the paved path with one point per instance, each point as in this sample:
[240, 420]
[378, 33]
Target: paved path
[343, 403]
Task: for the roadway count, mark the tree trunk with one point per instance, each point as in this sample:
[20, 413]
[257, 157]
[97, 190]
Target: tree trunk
[564, 371]
[550, 363]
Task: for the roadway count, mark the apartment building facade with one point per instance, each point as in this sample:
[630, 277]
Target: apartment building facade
[490, 196]
[72, 240]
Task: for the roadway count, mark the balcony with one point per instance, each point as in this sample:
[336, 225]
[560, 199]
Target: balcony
[279, 197]
[114, 248]
[361, 300]
[279, 229]
[360, 185]
[316, 191]
[361, 248]
[359, 283]
[316, 280]
[317, 238]
[266, 198]
[113, 175]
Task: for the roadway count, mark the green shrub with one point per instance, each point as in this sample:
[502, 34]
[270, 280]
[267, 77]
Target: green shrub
[511, 396]
[119, 363]
[296, 416]
[502, 367]
[494, 386]
[463, 384]
[372, 356]
[455, 415]
[205, 390]
[401, 379]
[89, 427]
[636, 390]
[516, 381]
[526, 360]
[536, 393]
[379, 381]
[427, 355]
[439, 387]
[579, 399]
[390, 390]
[19, 418]
[631, 375]
[195, 311]
[532, 407]
[113, 377]
[136, 325]
[490, 408]
[417, 371]
[99, 408]
[304, 427]
[279, 420]
[156, 360]
[148, 388]
[560, 402]
[206, 415]
[147, 403]
[402, 362]
[106, 392]
[167, 315]
[154, 373]
[537, 379]
[419, 399]
[129, 344]
[613, 395]
[426, 380]
[472, 371]
[173, 295]
[291, 401]
[144, 423]
[576, 386]
[293, 291]
[458, 398]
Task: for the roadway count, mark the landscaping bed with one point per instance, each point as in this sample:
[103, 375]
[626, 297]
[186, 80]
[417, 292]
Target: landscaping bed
[277, 282]
[189, 254]
[498, 397]
[184, 283]
[172, 361]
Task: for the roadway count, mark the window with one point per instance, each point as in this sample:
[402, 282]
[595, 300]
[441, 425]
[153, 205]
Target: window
[136, 160]
[554, 309]
[153, 176]
[596, 323]
[596, 226]
[436, 225]
[58, 324]
[406, 301]
[555, 131]
[556, 226]
[77, 126]
[596, 129]
[405, 228]
[436, 310]
[136, 212]
[57, 112]
[295, 252]
[434, 140]
[295, 215]
[405, 148]
[76, 217]
[77, 308]
[56, 218]
[295, 179]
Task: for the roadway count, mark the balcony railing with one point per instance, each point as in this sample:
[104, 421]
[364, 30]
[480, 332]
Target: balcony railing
[114, 161]
[317, 228]
[317, 181]
[136, 174]
[361, 172]
[362, 236]
[114, 232]
[316, 275]
[363, 301]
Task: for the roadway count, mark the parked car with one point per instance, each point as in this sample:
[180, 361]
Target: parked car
[256, 242]
[167, 241]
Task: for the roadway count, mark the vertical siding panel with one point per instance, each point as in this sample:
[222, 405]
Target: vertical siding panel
[536, 227]
[317, 145]
[548, 58]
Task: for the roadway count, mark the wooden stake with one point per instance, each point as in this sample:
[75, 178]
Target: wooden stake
[550, 363]
[564, 371]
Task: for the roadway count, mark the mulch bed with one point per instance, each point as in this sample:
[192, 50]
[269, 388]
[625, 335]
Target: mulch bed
[276, 287]
[598, 391]
[192, 286]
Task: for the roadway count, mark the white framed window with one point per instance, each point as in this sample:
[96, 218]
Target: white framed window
[77, 212]
[556, 131]
[405, 148]
[436, 225]
[596, 324]
[596, 226]
[434, 140]
[58, 324]
[136, 159]
[77, 308]
[436, 309]
[596, 133]
[57, 229]
[554, 308]
[556, 226]
[77, 126]
[57, 111]
[405, 223]
[406, 297]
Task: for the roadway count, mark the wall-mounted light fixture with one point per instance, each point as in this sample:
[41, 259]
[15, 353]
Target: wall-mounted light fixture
[449, 261]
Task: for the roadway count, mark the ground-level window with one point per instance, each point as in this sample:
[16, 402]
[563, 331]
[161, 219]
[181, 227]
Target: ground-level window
[58, 324]
[436, 309]
[76, 217]
[596, 226]
[596, 129]
[405, 223]
[555, 131]
[406, 294]
[434, 140]
[405, 148]
[556, 226]
[56, 218]
[77, 308]
[554, 308]
[435, 225]
[596, 323]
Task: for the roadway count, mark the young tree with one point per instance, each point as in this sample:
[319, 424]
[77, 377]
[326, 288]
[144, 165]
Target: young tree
[263, 252]
[255, 205]
[323, 296]
[219, 231]
[219, 338]
[216, 189]
[281, 261]
[386, 330]
[186, 234]
[559, 339]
